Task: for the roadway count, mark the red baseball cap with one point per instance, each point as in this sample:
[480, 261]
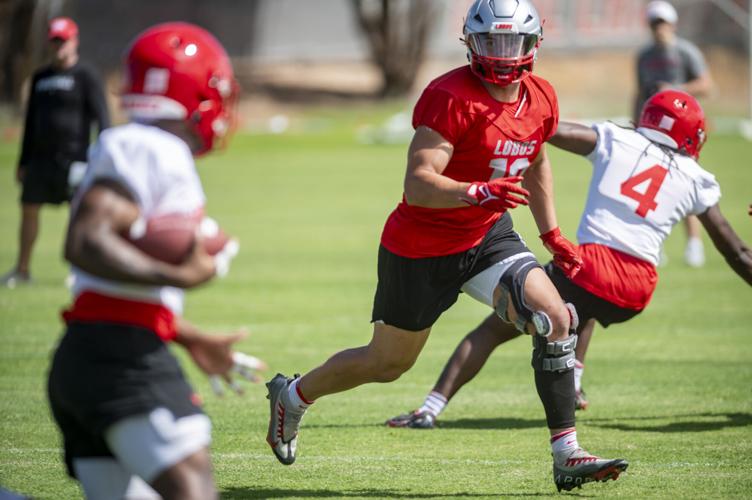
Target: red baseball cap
[63, 28]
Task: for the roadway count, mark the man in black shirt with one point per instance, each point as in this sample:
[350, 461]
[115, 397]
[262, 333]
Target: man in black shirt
[66, 98]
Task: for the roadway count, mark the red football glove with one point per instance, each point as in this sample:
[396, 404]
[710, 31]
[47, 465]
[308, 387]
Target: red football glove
[497, 195]
[566, 255]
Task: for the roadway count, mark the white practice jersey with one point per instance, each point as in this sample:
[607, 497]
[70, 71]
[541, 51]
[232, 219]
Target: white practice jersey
[638, 192]
[157, 168]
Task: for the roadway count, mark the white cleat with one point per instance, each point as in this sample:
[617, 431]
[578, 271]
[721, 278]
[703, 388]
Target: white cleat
[284, 420]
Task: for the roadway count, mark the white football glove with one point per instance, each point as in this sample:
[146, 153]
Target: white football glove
[244, 365]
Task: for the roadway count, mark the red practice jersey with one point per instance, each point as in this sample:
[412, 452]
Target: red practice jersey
[491, 139]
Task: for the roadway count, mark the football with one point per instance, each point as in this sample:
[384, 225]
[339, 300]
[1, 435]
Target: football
[170, 237]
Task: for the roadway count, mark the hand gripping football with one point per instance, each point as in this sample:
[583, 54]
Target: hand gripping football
[170, 238]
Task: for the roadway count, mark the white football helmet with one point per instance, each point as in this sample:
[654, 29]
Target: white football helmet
[502, 38]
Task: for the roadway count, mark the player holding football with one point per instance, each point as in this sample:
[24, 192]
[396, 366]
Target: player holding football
[478, 129]
[130, 422]
[644, 182]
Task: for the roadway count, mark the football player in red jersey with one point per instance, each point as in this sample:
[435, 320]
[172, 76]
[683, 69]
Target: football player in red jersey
[131, 425]
[621, 232]
[479, 131]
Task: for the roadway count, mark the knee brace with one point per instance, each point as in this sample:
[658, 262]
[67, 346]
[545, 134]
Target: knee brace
[512, 284]
[554, 356]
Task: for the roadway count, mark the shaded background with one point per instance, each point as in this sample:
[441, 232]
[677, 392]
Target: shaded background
[296, 53]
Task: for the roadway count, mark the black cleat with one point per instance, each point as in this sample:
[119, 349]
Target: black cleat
[413, 420]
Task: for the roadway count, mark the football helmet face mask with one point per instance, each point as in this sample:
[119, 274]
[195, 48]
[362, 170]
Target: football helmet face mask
[678, 117]
[502, 37]
[179, 71]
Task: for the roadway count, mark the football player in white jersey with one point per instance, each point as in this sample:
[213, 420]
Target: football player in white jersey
[644, 182]
[131, 425]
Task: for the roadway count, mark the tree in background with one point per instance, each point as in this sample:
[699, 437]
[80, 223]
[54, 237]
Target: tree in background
[22, 27]
[397, 32]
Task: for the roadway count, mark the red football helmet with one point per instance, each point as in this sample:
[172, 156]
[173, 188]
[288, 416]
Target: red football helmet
[179, 71]
[678, 117]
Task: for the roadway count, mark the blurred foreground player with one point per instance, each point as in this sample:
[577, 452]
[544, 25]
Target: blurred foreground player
[478, 129]
[65, 99]
[644, 182]
[130, 422]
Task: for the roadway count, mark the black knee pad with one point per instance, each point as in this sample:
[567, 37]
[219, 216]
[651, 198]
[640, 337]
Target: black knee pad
[513, 283]
[555, 356]
[554, 379]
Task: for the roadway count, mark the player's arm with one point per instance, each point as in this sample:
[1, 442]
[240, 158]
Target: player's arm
[425, 186]
[97, 101]
[575, 138]
[215, 356]
[734, 250]
[211, 353]
[94, 243]
[28, 136]
[699, 81]
[702, 86]
[427, 157]
[539, 181]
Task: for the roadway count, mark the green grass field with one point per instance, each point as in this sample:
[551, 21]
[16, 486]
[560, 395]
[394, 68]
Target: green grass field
[669, 391]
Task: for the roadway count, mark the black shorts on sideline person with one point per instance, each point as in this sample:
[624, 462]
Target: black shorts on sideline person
[46, 184]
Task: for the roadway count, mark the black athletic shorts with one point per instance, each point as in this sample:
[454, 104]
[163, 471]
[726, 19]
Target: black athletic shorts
[588, 306]
[413, 293]
[103, 373]
[46, 183]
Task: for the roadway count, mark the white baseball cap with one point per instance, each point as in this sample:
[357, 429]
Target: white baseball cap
[660, 10]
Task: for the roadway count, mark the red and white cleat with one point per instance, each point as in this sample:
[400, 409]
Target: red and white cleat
[581, 467]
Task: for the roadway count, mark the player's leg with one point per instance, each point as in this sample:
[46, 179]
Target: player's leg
[28, 233]
[191, 478]
[104, 478]
[694, 252]
[391, 352]
[472, 353]
[171, 454]
[531, 296]
[410, 296]
[466, 361]
[585, 333]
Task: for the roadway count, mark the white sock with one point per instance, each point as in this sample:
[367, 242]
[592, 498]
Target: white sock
[579, 368]
[296, 397]
[564, 443]
[435, 403]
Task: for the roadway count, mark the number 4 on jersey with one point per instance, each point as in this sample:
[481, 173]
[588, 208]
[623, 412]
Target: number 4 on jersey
[655, 175]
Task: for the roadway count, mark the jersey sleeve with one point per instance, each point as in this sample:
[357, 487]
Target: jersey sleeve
[707, 193]
[552, 122]
[109, 160]
[601, 154]
[442, 112]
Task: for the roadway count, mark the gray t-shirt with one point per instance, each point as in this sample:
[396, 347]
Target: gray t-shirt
[676, 64]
